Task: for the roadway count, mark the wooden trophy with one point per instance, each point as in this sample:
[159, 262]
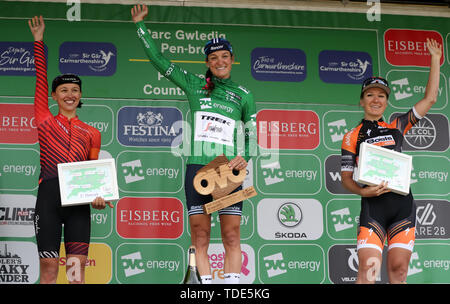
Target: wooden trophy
[219, 180]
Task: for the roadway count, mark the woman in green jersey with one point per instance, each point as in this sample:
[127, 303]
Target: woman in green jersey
[223, 121]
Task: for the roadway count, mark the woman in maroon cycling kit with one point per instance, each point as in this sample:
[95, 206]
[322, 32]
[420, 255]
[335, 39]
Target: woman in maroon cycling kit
[62, 138]
[385, 216]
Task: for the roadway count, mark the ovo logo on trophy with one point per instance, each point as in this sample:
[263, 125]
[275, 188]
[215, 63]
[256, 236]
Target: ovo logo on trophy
[217, 179]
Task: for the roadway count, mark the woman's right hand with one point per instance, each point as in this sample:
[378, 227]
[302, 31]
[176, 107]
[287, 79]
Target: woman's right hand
[371, 191]
[139, 12]
[37, 27]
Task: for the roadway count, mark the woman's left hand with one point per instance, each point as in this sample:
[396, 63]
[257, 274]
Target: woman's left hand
[238, 163]
[100, 203]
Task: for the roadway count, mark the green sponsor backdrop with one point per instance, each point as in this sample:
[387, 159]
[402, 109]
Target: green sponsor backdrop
[295, 253]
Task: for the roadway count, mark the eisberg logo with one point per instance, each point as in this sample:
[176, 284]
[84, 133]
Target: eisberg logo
[276, 64]
[148, 126]
[88, 58]
[17, 59]
[409, 47]
[344, 66]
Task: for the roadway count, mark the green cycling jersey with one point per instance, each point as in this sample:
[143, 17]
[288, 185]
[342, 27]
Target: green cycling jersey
[222, 123]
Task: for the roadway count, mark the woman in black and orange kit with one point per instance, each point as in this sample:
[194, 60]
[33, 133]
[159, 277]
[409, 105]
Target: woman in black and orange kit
[385, 215]
[62, 138]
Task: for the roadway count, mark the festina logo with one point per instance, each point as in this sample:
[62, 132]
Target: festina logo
[144, 130]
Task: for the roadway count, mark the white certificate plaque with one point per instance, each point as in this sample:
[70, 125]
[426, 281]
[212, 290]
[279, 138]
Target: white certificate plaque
[81, 182]
[377, 164]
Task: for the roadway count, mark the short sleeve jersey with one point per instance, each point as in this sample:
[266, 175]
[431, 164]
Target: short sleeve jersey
[379, 133]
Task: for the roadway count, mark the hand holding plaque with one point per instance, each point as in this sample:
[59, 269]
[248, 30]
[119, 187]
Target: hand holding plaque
[219, 180]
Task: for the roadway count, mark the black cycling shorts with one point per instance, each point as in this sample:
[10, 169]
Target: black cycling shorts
[195, 200]
[50, 216]
[389, 217]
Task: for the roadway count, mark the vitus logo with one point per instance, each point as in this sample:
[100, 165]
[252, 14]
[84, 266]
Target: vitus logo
[132, 264]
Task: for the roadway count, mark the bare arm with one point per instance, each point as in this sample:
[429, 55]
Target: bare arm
[431, 91]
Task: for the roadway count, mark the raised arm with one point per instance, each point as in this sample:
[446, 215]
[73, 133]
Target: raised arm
[431, 91]
[37, 28]
[174, 73]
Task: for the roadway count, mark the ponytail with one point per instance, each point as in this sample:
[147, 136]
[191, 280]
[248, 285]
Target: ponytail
[209, 84]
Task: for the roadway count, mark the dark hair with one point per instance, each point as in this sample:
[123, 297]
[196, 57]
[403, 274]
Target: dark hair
[209, 83]
[67, 78]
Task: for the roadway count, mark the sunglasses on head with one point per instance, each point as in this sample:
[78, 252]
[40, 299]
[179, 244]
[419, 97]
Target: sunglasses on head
[372, 80]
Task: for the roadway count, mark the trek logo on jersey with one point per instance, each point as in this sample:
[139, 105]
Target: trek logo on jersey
[17, 124]
[288, 129]
[409, 47]
[88, 58]
[277, 64]
[148, 126]
[385, 140]
[17, 58]
[344, 66]
[213, 127]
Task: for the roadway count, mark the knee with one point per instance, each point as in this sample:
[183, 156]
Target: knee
[49, 271]
[398, 271]
[200, 236]
[231, 237]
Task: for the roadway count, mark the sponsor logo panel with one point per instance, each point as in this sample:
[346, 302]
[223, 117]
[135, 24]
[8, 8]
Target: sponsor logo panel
[278, 64]
[288, 129]
[431, 219]
[88, 58]
[98, 268]
[343, 218]
[344, 66]
[17, 58]
[336, 124]
[150, 172]
[343, 265]
[145, 263]
[17, 124]
[149, 218]
[282, 174]
[424, 134]
[16, 215]
[216, 256]
[284, 264]
[19, 169]
[429, 175]
[408, 88]
[19, 263]
[290, 219]
[148, 126]
[404, 47]
[429, 263]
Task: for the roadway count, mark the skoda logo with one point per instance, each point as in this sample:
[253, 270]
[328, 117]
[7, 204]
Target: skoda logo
[290, 214]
